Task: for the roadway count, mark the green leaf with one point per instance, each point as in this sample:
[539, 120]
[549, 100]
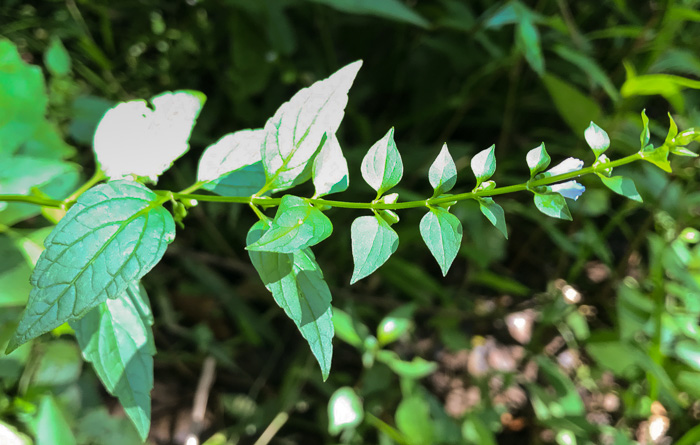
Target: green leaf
[667, 85]
[23, 98]
[597, 139]
[46, 142]
[553, 205]
[417, 368]
[348, 329]
[373, 242]
[645, 135]
[382, 167]
[397, 323]
[443, 173]
[622, 186]
[98, 426]
[233, 165]
[330, 171]
[413, 420]
[56, 58]
[494, 213]
[528, 38]
[657, 156]
[672, 130]
[113, 235]
[86, 112]
[574, 107]
[133, 139]
[442, 233]
[538, 160]
[294, 134]
[245, 181]
[51, 426]
[474, 430]
[298, 287]
[484, 165]
[388, 9]
[230, 153]
[116, 338]
[682, 151]
[688, 351]
[297, 225]
[590, 67]
[345, 410]
[14, 273]
[60, 364]
[20, 174]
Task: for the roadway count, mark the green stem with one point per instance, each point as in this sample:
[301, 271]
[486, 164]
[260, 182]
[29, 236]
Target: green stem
[97, 177]
[264, 201]
[193, 188]
[376, 205]
[385, 428]
[44, 202]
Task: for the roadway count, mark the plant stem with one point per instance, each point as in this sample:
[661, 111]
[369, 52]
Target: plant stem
[44, 202]
[376, 205]
[385, 428]
[264, 201]
[96, 177]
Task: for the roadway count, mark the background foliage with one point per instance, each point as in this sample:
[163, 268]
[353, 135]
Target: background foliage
[579, 332]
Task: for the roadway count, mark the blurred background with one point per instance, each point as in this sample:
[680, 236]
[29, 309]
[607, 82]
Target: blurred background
[582, 332]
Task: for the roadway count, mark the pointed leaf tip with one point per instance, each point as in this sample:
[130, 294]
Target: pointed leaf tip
[443, 172]
[484, 164]
[382, 167]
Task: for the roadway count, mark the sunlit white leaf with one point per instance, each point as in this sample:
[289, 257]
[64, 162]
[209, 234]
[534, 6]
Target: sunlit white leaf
[134, 139]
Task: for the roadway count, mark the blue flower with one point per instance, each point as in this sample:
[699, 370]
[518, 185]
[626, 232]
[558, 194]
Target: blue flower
[568, 189]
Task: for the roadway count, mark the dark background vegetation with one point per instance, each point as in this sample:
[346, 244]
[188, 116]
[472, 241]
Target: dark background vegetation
[601, 369]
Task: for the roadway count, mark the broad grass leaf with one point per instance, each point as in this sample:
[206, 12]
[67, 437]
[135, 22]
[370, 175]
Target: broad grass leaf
[112, 236]
[574, 107]
[297, 285]
[389, 9]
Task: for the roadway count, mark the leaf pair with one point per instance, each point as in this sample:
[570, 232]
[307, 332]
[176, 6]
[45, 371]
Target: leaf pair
[297, 143]
[373, 239]
[297, 285]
